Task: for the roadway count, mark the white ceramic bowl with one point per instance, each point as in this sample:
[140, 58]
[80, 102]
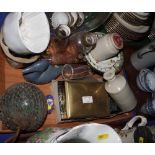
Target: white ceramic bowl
[26, 33]
[92, 133]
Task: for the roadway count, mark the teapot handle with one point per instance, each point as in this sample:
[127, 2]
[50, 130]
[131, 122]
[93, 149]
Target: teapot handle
[133, 120]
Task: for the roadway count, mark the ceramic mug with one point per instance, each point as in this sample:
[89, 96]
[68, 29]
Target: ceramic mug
[26, 33]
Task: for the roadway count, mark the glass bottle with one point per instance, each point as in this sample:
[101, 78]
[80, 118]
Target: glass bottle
[120, 91]
[78, 44]
[83, 42]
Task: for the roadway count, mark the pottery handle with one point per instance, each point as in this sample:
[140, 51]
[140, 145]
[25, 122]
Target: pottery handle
[133, 120]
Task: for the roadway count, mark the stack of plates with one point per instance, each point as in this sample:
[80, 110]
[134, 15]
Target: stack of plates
[131, 26]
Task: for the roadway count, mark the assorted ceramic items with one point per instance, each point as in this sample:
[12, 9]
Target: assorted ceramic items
[98, 133]
[77, 21]
[23, 106]
[120, 91]
[41, 43]
[41, 72]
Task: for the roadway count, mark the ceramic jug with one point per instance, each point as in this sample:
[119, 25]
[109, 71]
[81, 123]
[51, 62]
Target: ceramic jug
[128, 132]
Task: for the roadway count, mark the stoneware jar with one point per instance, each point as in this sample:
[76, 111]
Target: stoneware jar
[107, 47]
[120, 91]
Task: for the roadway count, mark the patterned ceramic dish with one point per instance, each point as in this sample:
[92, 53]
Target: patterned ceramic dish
[127, 31]
[131, 18]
